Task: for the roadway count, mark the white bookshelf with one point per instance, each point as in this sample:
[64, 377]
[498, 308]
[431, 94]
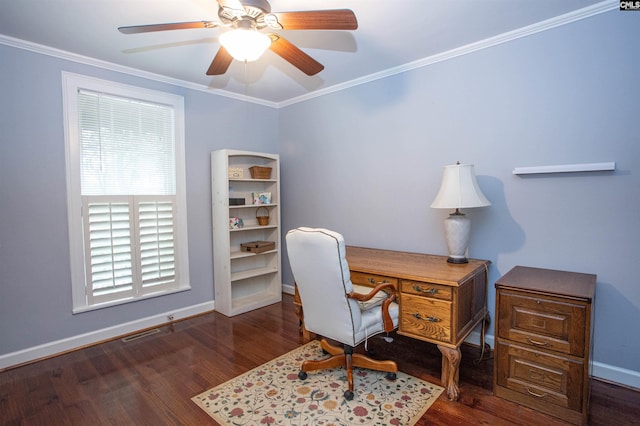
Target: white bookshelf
[244, 281]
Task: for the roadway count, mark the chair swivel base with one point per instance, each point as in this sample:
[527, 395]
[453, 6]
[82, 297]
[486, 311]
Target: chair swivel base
[346, 358]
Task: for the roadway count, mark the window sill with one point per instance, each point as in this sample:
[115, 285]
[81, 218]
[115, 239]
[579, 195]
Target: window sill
[81, 309]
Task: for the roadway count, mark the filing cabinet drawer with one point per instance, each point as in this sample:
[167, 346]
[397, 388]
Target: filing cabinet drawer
[424, 289]
[372, 280]
[543, 322]
[542, 378]
[425, 319]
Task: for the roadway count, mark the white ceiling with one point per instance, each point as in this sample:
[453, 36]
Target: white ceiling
[392, 36]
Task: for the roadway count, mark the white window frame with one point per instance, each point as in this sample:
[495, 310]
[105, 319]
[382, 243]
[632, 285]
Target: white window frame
[71, 84]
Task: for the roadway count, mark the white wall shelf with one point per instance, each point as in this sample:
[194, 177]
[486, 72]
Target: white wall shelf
[566, 168]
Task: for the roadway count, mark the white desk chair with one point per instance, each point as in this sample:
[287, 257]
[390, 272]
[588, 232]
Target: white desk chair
[333, 307]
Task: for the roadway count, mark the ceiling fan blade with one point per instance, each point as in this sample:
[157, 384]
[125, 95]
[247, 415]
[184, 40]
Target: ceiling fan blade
[336, 19]
[295, 56]
[135, 29]
[220, 63]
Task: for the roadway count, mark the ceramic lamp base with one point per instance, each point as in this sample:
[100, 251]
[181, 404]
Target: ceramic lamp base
[456, 230]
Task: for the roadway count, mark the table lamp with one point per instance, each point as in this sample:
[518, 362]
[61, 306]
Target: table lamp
[459, 190]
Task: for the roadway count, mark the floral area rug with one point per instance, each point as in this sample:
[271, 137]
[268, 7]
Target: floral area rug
[272, 394]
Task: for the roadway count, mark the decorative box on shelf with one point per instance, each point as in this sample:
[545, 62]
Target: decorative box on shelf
[236, 173]
[258, 246]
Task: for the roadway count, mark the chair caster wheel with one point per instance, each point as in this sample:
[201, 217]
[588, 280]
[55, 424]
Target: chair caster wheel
[391, 376]
[302, 375]
[348, 395]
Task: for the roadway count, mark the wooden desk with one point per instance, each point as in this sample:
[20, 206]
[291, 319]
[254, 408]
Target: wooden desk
[439, 302]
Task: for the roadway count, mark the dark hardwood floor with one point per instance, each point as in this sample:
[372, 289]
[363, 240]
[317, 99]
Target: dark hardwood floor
[150, 380]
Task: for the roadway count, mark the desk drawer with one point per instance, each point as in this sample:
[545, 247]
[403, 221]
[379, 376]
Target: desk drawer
[424, 289]
[371, 280]
[543, 378]
[543, 322]
[425, 319]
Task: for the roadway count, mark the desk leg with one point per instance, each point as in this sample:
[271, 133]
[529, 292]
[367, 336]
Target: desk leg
[451, 370]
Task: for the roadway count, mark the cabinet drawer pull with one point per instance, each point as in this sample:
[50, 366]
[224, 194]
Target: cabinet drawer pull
[536, 394]
[419, 289]
[534, 342]
[430, 319]
[372, 281]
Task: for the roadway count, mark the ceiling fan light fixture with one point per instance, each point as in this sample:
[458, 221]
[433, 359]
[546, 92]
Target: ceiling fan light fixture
[245, 44]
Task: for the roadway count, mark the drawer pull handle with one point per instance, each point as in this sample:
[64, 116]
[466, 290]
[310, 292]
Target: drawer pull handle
[430, 319]
[536, 394]
[534, 342]
[372, 281]
[419, 289]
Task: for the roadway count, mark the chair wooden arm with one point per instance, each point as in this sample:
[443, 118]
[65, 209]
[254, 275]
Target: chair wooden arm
[391, 296]
[364, 297]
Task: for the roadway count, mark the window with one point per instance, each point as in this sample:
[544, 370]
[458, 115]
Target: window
[126, 192]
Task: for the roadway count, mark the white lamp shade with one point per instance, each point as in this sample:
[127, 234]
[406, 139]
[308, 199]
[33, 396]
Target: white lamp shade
[459, 189]
[245, 44]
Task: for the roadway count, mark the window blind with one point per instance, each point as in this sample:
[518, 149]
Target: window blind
[127, 146]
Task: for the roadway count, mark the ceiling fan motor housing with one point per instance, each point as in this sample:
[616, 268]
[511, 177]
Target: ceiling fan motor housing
[252, 11]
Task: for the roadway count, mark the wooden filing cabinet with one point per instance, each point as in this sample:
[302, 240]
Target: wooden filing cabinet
[543, 340]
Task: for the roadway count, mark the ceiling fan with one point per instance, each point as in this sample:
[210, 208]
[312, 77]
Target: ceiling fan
[247, 18]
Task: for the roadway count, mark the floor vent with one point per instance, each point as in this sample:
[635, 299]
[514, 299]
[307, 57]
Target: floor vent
[140, 335]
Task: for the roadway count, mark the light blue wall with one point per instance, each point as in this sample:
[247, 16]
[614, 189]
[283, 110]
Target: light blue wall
[35, 289]
[368, 161]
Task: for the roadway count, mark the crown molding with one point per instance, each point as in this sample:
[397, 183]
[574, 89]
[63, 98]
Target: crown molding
[532, 29]
[86, 60]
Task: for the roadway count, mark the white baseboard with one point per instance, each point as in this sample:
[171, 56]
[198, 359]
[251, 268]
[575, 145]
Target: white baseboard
[613, 374]
[475, 339]
[74, 342]
[599, 370]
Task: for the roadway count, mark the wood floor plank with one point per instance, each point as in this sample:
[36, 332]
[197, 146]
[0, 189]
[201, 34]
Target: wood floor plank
[150, 381]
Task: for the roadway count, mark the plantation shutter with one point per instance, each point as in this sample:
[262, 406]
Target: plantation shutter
[157, 248]
[127, 167]
[108, 232]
